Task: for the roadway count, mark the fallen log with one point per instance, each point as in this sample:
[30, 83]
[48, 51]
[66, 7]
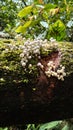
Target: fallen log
[36, 81]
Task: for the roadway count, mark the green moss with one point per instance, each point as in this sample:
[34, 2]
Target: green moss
[11, 70]
[48, 48]
[67, 56]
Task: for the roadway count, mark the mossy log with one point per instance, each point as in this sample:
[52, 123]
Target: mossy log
[36, 85]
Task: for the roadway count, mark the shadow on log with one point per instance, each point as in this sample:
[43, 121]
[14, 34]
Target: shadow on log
[41, 99]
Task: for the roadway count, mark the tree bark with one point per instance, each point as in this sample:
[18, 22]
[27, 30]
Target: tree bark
[41, 101]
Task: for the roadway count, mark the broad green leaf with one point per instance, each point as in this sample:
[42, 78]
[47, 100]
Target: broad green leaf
[66, 127]
[3, 128]
[50, 6]
[57, 30]
[49, 125]
[27, 24]
[59, 24]
[20, 29]
[44, 24]
[25, 11]
[23, 28]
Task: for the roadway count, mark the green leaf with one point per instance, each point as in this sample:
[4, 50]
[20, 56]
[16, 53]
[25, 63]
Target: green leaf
[49, 125]
[23, 28]
[66, 127]
[50, 6]
[20, 29]
[27, 24]
[44, 24]
[59, 23]
[57, 30]
[3, 128]
[25, 11]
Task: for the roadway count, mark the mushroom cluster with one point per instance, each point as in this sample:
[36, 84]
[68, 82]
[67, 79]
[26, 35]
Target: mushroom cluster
[52, 71]
[33, 49]
[30, 50]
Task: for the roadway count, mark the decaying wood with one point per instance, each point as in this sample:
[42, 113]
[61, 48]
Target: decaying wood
[43, 100]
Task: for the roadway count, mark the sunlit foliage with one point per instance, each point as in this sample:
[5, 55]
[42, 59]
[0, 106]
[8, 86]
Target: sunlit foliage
[45, 19]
